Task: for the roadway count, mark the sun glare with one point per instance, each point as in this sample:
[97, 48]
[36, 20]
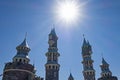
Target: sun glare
[68, 11]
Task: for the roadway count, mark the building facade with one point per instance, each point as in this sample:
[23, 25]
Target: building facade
[21, 69]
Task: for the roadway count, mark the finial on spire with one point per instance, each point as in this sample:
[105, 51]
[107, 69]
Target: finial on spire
[102, 55]
[53, 26]
[83, 36]
[24, 43]
[70, 77]
[70, 74]
[70, 71]
[103, 60]
[25, 35]
[84, 40]
[53, 31]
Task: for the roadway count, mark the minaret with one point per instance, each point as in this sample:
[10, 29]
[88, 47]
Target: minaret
[70, 77]
[88, 70]
[105, 69]
[52, 66]
[22, 53]
[106, 74]
[20, 68]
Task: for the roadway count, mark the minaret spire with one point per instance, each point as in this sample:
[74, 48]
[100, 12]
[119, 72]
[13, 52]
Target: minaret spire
[84, 40]
[25, 35]
[52, 66]
[88, 70]
[70, 77]
[22, 52]
[106, 74]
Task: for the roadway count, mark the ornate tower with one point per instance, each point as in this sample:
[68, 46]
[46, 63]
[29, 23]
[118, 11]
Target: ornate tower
[22, 53]
[19, 68]
[106, 74]
[52, 66]
[70, 77]
[88, 70]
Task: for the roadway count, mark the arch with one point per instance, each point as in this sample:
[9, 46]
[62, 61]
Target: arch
[20, 60]
[16, 60]
[24, 60]
[49, 66]
[53, 67]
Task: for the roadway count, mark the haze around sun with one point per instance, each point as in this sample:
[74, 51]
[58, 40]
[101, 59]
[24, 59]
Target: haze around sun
[68, 11]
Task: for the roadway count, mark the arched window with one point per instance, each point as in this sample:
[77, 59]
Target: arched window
[56, 67]
[87, 73]
[16, 60]
[49, 67]
[53, 67]
[24, 60]
[20, 60]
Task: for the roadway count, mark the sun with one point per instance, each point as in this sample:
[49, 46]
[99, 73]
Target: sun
[68, 11]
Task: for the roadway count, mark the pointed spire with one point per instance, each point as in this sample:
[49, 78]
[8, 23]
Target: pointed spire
[70, 77]
[23, 46]
[52, 31]
[88, 43]
[104, 62]
[84, 41]
[24, 43]
[22, 52]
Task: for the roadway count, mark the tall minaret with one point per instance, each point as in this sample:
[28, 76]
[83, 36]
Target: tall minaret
[88, 70]
[52, 66]
[106, 74]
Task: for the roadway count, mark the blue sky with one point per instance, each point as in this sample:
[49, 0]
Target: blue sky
[101, 26]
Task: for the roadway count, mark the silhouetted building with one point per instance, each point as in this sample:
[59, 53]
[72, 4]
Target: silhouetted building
[88, 70]
[52, 66]
[106, 74]
[21, 69]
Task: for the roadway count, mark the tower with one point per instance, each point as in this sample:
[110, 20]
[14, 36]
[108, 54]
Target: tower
[70, 77]
[19, 68]
[88, 70]
[22, 53]
[52, 66]
[106, 74]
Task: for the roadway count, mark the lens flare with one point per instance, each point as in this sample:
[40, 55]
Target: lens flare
[68, 11]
